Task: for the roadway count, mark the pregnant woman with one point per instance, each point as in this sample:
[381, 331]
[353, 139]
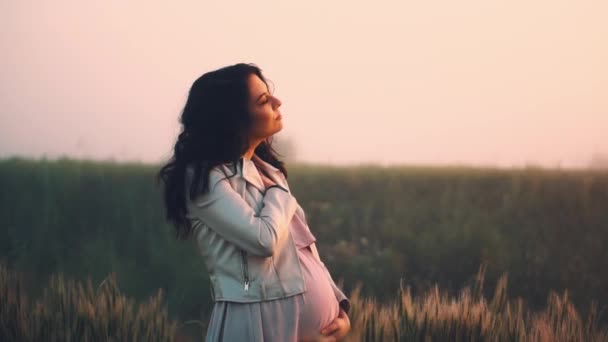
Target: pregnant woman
[226, 188]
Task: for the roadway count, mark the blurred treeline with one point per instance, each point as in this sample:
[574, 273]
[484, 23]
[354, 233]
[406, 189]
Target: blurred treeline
[548, 229]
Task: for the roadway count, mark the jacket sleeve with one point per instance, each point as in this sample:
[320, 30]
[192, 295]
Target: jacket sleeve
[226, 212]
[340, 296]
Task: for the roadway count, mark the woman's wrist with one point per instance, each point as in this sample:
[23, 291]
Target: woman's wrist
[344, 305]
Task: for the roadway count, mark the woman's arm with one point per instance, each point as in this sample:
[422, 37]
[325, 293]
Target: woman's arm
[226, 212]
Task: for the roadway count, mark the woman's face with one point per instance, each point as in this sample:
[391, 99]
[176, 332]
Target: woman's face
[264, 108]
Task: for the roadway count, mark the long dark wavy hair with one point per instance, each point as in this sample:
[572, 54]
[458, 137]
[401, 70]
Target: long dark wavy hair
[215, 130]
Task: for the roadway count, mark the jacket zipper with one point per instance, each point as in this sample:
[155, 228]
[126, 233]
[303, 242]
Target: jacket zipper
[245, 271]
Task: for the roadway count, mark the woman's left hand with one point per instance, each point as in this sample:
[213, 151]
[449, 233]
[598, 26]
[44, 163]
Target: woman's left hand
[339, 327]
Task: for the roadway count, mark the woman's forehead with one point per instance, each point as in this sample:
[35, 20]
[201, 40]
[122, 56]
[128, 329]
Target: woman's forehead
[257, 87]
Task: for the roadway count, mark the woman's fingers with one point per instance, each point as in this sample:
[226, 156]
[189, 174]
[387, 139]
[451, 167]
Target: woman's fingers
[338, 328]
[333, 326]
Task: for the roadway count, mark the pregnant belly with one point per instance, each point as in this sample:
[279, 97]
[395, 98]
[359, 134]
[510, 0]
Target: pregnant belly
[319, 304]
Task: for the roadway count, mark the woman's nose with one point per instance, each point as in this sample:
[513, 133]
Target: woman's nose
[278, 102]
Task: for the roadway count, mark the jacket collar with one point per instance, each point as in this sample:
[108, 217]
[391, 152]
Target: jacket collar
[248, 169]
[267, 166]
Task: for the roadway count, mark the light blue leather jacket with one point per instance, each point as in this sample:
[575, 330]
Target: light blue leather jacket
[241, 229]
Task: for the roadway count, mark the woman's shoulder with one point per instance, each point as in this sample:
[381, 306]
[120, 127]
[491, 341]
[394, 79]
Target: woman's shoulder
[216, 174]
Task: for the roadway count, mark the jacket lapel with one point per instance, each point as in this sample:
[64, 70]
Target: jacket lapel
[250, 174]
[246, 168]
[273, 173]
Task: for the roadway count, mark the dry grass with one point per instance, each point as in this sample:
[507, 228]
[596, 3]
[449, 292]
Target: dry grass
[71, 311]
[470, 317]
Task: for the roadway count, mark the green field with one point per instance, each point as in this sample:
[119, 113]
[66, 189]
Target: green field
[376, 227]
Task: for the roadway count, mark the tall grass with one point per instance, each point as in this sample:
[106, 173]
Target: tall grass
[71, 311]
[547, 228]
[435, 316]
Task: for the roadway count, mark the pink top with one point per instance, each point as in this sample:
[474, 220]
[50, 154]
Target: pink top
[321, 305]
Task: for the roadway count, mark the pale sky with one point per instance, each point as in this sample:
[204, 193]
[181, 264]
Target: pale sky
[476, 82]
